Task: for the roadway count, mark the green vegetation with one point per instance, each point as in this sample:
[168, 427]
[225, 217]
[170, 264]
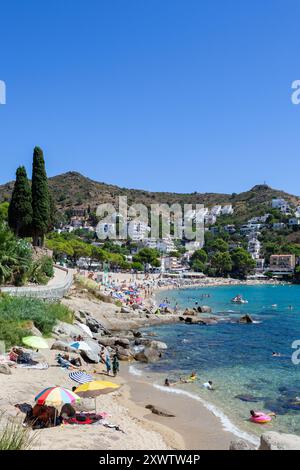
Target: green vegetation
[40, 198]
[20, 208]
[18, 313]
[14, 436]
[148, 256]
[4, 212]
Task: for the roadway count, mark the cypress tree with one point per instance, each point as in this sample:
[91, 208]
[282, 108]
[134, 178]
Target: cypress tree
[20, 208]
[40, 198]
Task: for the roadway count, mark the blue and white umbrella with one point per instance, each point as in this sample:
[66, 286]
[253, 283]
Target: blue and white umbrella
[81, 377]
[81, 345]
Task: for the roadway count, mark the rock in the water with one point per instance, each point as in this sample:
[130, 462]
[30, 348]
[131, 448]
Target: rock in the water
[246, 319]
[239, 444]
[158, 345]
[204, 309]
[159, 411]
[5, 369]
[62, 346]
[248, 398]
[276, 441]
[124, 342]
[148, 355]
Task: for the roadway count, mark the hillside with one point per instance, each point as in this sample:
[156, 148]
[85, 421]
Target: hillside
[72, 189]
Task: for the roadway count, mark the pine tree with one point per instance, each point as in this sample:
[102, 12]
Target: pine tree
[20, 208]
[40, 198]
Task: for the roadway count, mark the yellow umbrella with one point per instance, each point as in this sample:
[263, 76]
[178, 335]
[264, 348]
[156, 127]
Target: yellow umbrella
[35, 342]
[95, 388]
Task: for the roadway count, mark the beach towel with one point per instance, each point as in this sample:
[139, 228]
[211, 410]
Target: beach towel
[39, 366]
[81, 377]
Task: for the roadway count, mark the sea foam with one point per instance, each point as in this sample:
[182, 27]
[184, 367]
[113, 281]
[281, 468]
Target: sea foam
[226, 423]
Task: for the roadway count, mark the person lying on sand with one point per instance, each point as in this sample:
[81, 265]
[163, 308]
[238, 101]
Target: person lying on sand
[64, 361]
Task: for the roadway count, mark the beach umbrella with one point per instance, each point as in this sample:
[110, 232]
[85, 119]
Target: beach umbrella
[35, 342]
[85, 328]
[80, 377]
[96, 388]
[81, 345]
[163, 305]
[56, 396]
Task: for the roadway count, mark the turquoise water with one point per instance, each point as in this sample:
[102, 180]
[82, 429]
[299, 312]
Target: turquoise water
[238, 358]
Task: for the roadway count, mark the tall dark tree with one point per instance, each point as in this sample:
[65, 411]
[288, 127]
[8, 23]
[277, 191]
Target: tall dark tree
[20, 207]
[40, 198]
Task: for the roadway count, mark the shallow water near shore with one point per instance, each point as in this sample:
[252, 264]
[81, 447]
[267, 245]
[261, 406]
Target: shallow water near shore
[237, 357]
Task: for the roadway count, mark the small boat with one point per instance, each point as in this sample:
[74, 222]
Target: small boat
[238, 299]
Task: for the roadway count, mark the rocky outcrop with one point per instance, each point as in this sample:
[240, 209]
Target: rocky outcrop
[62, 346]
[276, 441]
[204, 309]
[240, 444]
[246, 319]
[148, 355]
[159, 411]
[66, 329]
[4, 369]
[90, 357]
[160, 345]
[124, 354]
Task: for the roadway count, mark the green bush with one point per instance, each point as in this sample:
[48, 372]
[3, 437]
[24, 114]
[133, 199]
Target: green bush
[15, 312]
[47, 266]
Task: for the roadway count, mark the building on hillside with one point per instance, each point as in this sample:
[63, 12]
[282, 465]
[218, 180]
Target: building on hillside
[282, 264]
[149, 242]
[279, 226]
[262, 219]
[282, 205]
[106, 230]
[165, 245]
[138, 230]
[171, 263]
[227, 210]
[294, 222]
[230, 229]
[216, 210]
[260, 265]
[210, 219]
[254, 247]
[192, 246]
[78, 212]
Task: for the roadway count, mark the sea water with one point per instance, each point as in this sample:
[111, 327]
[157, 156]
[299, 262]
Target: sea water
[237, 358]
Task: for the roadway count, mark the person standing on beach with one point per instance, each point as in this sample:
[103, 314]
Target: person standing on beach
[115, 365]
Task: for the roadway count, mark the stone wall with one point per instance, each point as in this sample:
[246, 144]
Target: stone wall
[53, 292]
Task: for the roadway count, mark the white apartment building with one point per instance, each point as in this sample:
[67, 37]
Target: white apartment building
[138, 230]
[227, 210]
[106, 230]
[281, 204]
[278, 226]
[254, 247]
[165, 245]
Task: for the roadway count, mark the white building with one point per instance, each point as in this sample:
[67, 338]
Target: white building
[227, 210]
[150, 243]
[293, 222]
[278, 226]
[138, 230]
[216, 210]
[254, 247]
[193, 246]
[165, 245]
[281, 204]
[210, 219]
[106, 230]
[230, 229]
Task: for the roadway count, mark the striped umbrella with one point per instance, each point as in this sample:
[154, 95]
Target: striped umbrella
[80, 377]
[56, 396]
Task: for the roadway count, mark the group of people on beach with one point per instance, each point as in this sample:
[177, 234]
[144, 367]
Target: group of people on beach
[191, 379]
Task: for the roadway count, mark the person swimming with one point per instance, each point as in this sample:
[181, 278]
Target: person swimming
[208, 385]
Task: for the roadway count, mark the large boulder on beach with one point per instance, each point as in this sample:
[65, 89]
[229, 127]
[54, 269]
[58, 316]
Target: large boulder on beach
[148, 355]
[94, 325]
[246, 319]
[66, 329]
[62, 346]
[90, 356]
[204, 309]
[276, 441]
[126, 310]
[240, 444]
[124, 354]
[5, 369]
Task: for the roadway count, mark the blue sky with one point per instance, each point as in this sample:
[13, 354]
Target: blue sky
[172, 95]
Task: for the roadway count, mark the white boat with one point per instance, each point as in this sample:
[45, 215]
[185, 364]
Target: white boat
[239, 300]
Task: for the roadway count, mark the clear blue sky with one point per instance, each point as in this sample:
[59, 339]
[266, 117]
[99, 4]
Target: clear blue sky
[177, 95]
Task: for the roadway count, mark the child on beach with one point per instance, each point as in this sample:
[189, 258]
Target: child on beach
[115, 365]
